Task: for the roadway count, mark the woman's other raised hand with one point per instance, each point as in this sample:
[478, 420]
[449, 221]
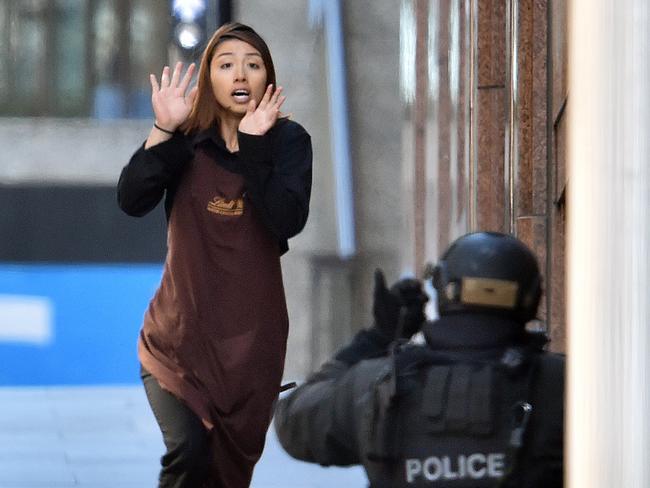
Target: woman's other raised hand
[258, 120]
[171, 104]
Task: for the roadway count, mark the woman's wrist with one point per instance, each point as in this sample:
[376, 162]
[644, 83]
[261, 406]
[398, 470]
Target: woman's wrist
[156, 136]
[163, 129]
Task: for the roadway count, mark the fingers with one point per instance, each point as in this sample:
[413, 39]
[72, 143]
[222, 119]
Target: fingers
[175, 80]
[266, 97]
[272, 100]
[409, 287]
[380, 281]
[164, 78]
[191, 96]
[413, 296]
[276, 95]
[154, 83]
[277, 99]
[185, 82]
[251, 107]
[176, 77]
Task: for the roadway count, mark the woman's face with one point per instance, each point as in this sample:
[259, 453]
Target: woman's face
[238, 75]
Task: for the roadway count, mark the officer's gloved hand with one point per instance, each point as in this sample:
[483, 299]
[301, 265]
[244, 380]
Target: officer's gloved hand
[398, 312]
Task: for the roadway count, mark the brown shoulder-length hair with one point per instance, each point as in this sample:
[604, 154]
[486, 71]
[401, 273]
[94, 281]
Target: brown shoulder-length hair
[205, 111]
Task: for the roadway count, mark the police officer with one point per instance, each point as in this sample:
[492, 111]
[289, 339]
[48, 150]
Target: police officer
[480, 404]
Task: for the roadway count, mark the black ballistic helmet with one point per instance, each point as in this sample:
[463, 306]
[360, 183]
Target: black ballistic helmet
[488, 272]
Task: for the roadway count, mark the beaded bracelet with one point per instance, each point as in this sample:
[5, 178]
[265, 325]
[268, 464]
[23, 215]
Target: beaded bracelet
[163, 130]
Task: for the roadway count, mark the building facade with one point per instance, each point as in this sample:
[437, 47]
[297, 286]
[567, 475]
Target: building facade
[454, 121]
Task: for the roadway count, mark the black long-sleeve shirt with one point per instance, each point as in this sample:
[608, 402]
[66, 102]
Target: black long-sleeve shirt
[277, 168]
[214, 334]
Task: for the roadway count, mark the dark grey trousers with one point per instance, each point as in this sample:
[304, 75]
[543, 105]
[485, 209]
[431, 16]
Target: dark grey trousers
[186, 462]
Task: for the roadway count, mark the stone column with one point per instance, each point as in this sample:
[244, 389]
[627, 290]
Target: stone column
[331, 307]
[608, 428]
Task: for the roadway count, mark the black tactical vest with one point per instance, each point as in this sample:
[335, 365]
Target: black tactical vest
[448, 419]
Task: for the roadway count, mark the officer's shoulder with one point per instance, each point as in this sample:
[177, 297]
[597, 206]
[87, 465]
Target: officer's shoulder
[373, 364]
[370, 371]
[405, 353]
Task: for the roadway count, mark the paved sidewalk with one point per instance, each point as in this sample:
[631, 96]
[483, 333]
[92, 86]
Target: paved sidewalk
[106, 437]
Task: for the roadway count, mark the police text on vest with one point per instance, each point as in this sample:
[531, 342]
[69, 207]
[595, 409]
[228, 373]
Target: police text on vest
[475, 466]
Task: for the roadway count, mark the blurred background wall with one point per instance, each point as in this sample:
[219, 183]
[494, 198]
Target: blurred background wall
[454, 116]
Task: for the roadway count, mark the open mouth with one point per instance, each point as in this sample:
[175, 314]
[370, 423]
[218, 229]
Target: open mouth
[241, 95]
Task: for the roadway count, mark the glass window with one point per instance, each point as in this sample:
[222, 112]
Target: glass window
[80, 58]
[69, 75]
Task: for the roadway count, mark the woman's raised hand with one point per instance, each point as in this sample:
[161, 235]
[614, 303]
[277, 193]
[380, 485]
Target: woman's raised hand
[259, 120]
[171, 104]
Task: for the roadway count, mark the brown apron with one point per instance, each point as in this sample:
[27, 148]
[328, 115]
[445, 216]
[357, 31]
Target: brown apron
[215, 332]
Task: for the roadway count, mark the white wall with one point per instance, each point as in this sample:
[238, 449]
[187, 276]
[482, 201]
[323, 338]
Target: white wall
[608, 429]
[84, 151]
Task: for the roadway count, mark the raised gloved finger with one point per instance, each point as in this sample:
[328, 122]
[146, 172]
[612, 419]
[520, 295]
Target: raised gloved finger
[380, 282]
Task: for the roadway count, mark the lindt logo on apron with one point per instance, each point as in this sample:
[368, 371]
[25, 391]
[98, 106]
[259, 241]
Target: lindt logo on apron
[221, 206]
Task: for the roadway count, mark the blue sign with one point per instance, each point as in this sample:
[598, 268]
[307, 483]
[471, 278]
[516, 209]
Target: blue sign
[72, 324]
